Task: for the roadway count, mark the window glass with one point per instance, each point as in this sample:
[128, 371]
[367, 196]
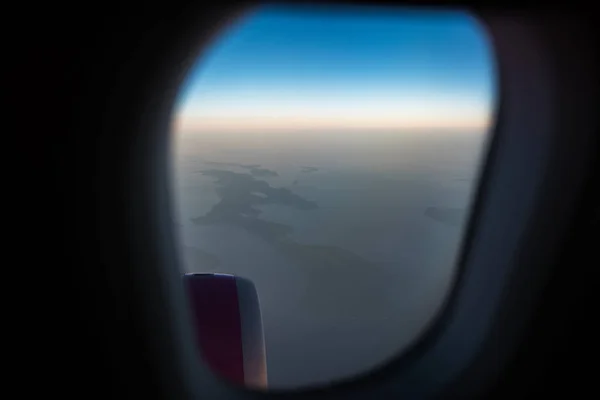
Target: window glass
[330, 155]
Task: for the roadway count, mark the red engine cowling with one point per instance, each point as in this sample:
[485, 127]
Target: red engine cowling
[228, 327]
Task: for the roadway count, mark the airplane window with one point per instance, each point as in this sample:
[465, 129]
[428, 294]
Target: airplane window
[330, 155]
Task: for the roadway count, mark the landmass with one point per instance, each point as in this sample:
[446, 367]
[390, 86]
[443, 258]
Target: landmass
[263, 172]
[335, 275]
[308, 170]
[255, 169]
[448, 216]
[197, 260]
[228, 164]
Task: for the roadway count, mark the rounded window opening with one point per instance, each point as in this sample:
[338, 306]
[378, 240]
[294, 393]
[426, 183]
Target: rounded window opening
[329, 155]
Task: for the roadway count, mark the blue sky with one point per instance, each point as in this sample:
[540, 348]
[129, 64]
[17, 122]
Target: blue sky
[314, 68]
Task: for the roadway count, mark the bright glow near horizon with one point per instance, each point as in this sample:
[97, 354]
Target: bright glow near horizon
[283, 68]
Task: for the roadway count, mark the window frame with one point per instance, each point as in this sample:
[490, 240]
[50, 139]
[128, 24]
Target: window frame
[507, 241]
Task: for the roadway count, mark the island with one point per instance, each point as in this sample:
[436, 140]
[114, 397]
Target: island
[199, 260]
[308, 170]
[355, 282]
[449, 216]
[254, 169]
